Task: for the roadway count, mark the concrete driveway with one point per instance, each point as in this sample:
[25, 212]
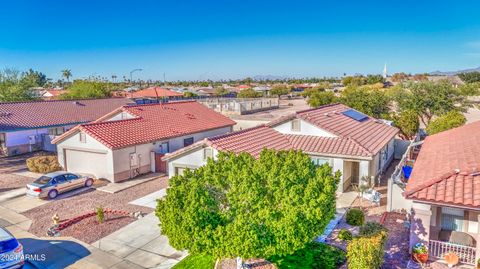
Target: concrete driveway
[141, 244]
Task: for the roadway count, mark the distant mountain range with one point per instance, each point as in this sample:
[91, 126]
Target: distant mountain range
[451, 73]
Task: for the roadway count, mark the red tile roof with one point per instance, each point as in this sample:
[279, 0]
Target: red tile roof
[154, 122]
[327, 145]
[154, 92]
[371, 134]
[30, 115]
[251, 140]
[446, 169]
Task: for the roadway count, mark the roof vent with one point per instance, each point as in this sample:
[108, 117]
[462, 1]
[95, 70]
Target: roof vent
[76, 102]
[326, 114]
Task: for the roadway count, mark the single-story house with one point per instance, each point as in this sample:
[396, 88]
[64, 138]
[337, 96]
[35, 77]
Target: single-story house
[30, 126]
[444, 188]
[132, 139]
[154, 92]
[356, 144]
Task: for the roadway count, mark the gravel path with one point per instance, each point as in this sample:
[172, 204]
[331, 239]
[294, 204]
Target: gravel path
[10, 181]
[88, 230]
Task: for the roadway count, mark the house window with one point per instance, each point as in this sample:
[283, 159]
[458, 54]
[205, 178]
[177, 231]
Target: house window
[296, 125]
[187, 141]
[320, 161]
[452, 219]
[207, 153]
[3, 140]
[56, 131]
[83, 138]
[163, 148]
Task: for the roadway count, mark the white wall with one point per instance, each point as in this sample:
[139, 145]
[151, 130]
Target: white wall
[193, 159]
[73, 142]
[120, 116]
[395, 199]
[177, 142]
[18, 138]
[305, 129]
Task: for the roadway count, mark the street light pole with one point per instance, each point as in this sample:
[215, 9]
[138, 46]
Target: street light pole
[133, 71]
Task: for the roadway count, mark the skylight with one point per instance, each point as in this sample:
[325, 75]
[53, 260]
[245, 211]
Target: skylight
[355, 115]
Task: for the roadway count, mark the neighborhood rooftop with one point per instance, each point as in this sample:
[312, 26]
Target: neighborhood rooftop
[152, 123]
[370, 133]
[30, 115]
[349, 137]
[447, 170]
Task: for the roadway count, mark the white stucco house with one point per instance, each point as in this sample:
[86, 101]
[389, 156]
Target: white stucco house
[132, 139]
[30, 126]
[357, 145]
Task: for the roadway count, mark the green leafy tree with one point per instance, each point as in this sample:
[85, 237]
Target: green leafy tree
[429, 99]
[470, 89]
[354, 81]
[84, 89]
[35, 78]
[321, 98]
[220, 91]
[239, 206]
[279, 90]
[16, 86]
[374, 79]
[470, 77]
[249, 93]
[408, 123]
[189, 94]
[449, 120]
[67, 73]
[372, 102]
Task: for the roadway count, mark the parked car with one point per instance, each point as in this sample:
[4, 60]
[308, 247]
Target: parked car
[52, 184]
[11, 251]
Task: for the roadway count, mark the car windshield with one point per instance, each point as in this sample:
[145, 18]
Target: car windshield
[8, 245]
[43, 180]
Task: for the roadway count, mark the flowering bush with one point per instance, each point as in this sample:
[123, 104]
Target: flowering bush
[420, 248]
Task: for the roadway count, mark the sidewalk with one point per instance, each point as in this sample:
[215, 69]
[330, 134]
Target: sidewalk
[141, 244]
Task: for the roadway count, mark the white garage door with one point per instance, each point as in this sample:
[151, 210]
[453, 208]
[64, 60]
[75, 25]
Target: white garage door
[86, 162]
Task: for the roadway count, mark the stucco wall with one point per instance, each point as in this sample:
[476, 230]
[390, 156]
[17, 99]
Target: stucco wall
[305, 129]
[73, 142]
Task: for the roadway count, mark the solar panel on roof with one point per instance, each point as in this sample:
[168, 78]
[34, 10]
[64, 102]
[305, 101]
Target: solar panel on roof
[355, 115]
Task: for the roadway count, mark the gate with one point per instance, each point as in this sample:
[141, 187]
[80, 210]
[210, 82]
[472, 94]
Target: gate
[160, 166]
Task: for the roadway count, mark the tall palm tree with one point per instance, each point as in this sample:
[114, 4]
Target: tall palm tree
[67, 73]
[114, 77]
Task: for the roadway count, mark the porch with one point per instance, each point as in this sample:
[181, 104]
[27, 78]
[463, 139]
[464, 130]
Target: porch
[447, 230]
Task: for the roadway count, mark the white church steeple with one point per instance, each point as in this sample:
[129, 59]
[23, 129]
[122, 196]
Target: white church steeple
[385, 74]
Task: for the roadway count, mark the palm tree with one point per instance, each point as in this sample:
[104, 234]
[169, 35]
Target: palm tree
[114, 77]
[67, 73]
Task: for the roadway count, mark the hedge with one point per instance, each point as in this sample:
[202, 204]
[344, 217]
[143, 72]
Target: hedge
[371, 228]
[355, 217]
[43, 164]
[367, 252]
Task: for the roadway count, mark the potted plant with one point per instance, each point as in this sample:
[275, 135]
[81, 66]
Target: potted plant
[420, 253]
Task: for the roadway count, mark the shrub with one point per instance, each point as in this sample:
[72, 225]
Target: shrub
[345, 235]
[366, 252]
[371, 229]
[313, 255]
[43, 164]
[100, 214]
[355, 217]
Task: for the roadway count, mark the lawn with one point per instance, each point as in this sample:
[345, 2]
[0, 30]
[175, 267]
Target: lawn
[313, 255]
[196, 262]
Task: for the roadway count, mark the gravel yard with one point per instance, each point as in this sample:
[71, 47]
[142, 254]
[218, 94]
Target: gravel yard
[88, 230]
[10, 182]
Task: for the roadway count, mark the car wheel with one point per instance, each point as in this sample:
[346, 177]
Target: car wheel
[88, 182]
[52, 194]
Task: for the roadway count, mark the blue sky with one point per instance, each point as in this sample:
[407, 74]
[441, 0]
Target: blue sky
[198, 40]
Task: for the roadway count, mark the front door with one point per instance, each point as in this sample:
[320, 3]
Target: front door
[355, 172]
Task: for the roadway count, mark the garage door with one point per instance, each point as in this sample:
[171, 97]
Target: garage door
[86, 162]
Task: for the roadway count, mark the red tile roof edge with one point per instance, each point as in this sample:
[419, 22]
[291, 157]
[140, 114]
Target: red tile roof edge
[430, 182]
[58, 100]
